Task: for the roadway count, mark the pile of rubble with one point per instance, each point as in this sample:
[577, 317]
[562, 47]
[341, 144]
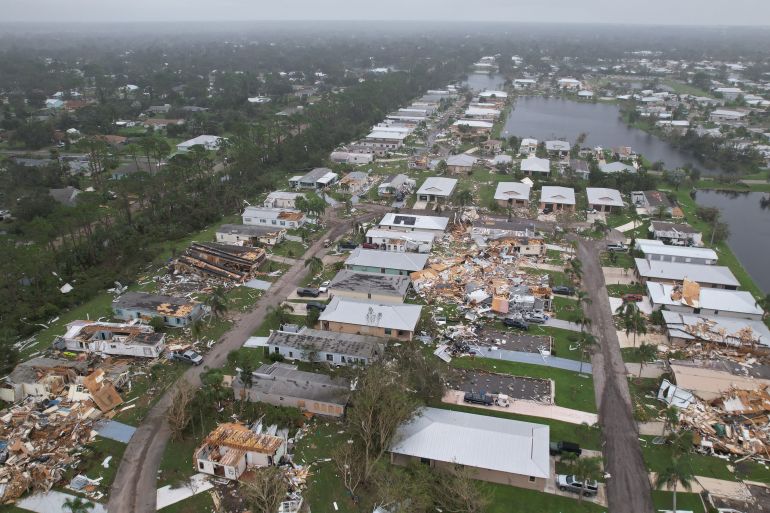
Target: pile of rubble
[736, 423]
[40, 441]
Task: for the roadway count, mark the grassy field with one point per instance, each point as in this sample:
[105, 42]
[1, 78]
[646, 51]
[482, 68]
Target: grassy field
[201, 503]
[561, 340]
[620, 290]
[290, 249]
[572, 390]
[738, 186]
[682, 88]
[624, 260]
[505, 499]
[566, 309]
[684, 501]
[94, 455]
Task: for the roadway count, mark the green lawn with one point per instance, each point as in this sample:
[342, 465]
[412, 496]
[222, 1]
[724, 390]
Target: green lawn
[572, 390]
[506, 499]
[624, 260]
[271, 324]
[566, 309]
[684, 501]
[645, 408]
[290, 249]
[683, 88]
[561, 340]
[269, 266]
[622, 289]
[94, 455]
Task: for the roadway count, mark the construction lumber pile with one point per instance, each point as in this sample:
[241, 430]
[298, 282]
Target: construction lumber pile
[40, 440]
[223, 261]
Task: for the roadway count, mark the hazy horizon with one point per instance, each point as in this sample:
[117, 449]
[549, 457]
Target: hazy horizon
[705, 13]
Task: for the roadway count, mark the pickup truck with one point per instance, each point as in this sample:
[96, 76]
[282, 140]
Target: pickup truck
[305, 292]
[190, 357]
[571, 484]
[557, 448]
[345, 245]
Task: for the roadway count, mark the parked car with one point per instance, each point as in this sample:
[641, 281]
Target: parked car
[190, 357]
[547, 210]
[475, 398]
[591, 211]
[323, 288]
[315, 305]
[563, 290]
[557, 448]
[570, 484]
[346, 245]
[516, 323]
[327, 243]
[306, 292]
[370, 245]
[632, 298]
[617, 247]
[536, 318]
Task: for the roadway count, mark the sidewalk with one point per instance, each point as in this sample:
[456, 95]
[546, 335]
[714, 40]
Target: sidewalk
[282, 259]
[546, 411]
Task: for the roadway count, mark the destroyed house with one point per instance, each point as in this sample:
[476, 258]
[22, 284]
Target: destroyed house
[680, 233]
[394, 184]
[396, 321]
[384, 288]
[309, 345]
[674, 273]
[409, 223]
[496, 450]
[113, 339]
[175, 311]
[250, 235]
[224, 261]
[685, 329]
[231, 449]
[41, 377]
[281, 384]
[276, 217]
[692, 298]
[385, 262]
[652, 201]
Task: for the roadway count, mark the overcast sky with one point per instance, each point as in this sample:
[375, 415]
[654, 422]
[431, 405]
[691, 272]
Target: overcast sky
[656, 12]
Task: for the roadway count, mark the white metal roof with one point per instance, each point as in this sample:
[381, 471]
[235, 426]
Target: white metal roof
[701, 273]
[602, 196]
[387, 259]
[725, 329]
[473, 123]
[386, 134]
[557, 146]
[438, 186]
[734, 301]
[365, 313]
[416, 236]
[414, 222]
[462, 159]
[616, 167]
[536, 165]
[476, 441]
[489, 94]
[478, 111]
[512, 190]
[203, 140]
[552, 194]
[658, 248]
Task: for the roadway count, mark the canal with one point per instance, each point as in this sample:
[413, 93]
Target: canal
[557, 118]
[748, 217]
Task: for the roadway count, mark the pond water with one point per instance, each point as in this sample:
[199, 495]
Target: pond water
[484, 81]
[556, 118]
[749, 220]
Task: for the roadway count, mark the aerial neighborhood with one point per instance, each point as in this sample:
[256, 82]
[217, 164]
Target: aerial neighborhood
[499, 275]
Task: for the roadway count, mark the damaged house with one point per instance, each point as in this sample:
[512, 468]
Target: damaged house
[231, 449]
[275, 217]
[175, 311]
[250, 235]
[685, 329]
[692, 299]
[112, 339]
[223, 261]
[391, 240]
[382, 288]
[281, 384]
[309, 345]
[385, 262]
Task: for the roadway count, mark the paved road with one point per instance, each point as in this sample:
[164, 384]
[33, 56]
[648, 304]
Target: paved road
[628, 488]
[134, 488]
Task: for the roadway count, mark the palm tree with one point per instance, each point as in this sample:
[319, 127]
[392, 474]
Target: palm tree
[315, 265]
[78, 505]
[217, 302]
[575, 269]
[633, 321]
[464, 197]
[677, 472]
[586, 469]
[585, 343]
[582, 298]
[670, 419]
[646, 353]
